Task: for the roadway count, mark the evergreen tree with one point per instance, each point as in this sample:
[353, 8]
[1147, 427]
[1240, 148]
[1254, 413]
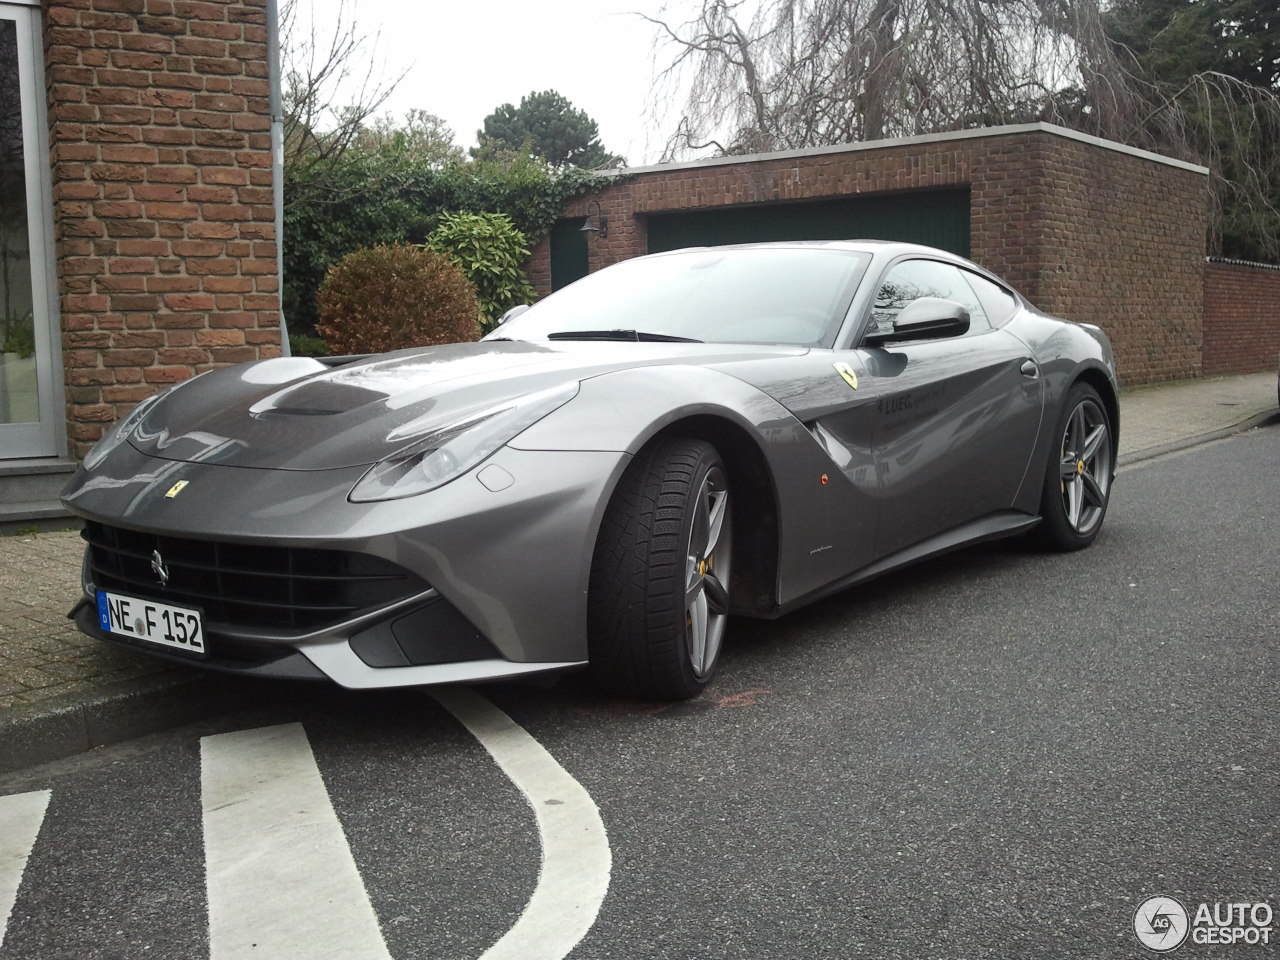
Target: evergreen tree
[547, 125]
[1218, 59]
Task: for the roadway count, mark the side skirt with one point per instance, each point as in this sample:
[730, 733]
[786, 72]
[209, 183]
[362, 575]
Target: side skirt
[995, 526]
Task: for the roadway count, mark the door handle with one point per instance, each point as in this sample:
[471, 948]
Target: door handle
[1030, 369]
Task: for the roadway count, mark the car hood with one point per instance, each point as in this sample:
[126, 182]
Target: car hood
[296, 413]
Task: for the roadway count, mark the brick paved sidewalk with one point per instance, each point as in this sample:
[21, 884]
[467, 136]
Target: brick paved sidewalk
[42, 654]
[1165, 413]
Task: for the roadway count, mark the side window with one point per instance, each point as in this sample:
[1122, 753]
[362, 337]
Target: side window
[912, 279]
[999, 303]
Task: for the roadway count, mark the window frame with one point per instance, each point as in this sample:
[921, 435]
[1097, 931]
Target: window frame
[46, 436]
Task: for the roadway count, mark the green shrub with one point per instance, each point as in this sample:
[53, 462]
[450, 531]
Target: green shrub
[305, 345]
[392, 297]
[491, 252]
[334, 205]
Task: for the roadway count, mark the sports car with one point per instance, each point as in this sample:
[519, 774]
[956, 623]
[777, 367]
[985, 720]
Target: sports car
[602, 481]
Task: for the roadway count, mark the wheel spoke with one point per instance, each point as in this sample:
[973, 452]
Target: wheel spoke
[715, 519]
[697, 626]
[1092, 492]
[711, 650]
[1074, 501]
[693, 589]
[717, 596]
[700, 536]
[1094, 442]
[1075, 436]
[1067, 469]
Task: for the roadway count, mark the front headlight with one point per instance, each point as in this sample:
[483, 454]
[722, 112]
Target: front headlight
[454, 449]
[119, 433]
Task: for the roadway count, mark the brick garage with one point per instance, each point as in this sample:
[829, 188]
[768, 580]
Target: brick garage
[1241, 317]
[164, 224]
[1087, 229]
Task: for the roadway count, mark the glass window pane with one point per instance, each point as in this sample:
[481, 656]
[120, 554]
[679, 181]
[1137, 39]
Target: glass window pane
[18, 394]
[791, 295]
[912, 279]
[1000, 304]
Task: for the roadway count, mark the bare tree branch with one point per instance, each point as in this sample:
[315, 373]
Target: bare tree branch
[759, 75]
[320, 65]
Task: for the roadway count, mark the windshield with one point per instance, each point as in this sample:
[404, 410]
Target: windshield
[790, 295]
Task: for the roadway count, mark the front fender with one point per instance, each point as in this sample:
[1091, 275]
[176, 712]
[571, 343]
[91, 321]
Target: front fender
[624, 410]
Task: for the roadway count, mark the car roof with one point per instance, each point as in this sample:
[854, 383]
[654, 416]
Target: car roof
[884, 247]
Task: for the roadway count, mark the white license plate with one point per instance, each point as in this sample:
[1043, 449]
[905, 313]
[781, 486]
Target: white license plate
[148, 620]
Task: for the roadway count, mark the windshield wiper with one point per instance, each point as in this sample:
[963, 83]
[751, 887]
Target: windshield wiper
[636, 336]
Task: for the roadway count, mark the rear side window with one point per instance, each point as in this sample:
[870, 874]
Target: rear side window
[999, 303]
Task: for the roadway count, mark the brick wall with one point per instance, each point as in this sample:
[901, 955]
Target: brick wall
[1122, 241]
[1085, 231]
[1241, 318]
[164, 226]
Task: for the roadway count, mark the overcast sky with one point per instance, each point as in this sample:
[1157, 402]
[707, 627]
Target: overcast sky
[466, 57]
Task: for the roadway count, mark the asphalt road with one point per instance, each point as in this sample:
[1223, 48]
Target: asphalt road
[998, 754]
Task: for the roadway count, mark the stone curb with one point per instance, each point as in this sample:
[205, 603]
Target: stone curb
[1183, 443]
[61, 727]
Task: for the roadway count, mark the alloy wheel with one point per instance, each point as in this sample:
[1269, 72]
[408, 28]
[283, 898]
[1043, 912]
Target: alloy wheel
[1085, 466]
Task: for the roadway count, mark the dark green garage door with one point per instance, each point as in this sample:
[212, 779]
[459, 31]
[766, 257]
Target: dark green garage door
[568, 253]
[939, 218]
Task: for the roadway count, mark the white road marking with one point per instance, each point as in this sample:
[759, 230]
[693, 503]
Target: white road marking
[281, 879]
[576, 859]
[20, 817]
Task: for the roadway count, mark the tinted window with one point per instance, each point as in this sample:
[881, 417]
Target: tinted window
[913, 279]
[780, 295]
[999, 303]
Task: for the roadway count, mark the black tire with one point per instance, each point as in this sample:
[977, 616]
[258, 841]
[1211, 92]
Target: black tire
[1077, 481]
[663, 554]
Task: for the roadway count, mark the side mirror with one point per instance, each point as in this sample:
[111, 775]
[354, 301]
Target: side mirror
[926, 318]
[512, 313]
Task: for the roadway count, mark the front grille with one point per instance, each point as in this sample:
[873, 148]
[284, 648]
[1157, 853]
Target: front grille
[244, 585]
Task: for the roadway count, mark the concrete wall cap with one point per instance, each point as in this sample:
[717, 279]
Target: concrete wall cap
[1243, 263]
[952, 135]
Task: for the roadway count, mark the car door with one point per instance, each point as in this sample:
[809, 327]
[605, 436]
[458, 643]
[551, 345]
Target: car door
[954, 420]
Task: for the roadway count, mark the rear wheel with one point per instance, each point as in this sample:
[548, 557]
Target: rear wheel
[1077, 484]
[659, 592]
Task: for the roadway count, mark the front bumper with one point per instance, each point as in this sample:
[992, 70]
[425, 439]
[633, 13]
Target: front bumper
[335, 658]
[507, 568]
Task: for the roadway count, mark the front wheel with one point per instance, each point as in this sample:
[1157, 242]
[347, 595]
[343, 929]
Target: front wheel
[1077, 484]
[659, 591]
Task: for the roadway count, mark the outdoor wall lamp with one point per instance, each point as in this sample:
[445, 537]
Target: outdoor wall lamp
[601, 225]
